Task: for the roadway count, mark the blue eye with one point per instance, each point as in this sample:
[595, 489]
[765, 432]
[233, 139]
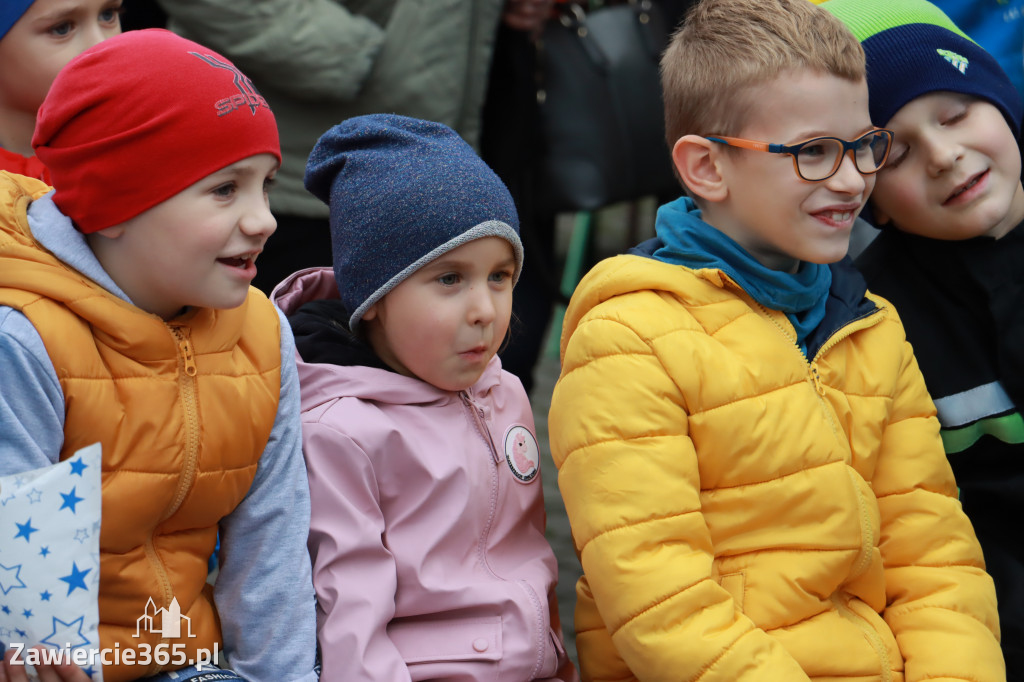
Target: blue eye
[225, 190]
[449, 279]
[62, 29]
[813, 151]
[112, 14]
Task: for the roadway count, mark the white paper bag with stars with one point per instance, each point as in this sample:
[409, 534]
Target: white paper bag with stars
[50, 555]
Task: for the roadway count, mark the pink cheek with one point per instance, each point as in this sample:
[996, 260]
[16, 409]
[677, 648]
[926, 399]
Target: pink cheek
[890, 197]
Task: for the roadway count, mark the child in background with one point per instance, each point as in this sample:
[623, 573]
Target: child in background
[748, 456]
[126, 318]
[37, 38]
[427, 531]
[951, 259]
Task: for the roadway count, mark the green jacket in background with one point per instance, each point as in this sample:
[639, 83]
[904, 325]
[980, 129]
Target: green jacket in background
[319, 62]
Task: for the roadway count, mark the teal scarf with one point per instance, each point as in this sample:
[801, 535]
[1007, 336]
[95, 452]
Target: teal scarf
[688, 240]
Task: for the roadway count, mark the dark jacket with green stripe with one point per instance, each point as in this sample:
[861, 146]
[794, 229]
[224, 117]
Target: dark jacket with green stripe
[962, 304]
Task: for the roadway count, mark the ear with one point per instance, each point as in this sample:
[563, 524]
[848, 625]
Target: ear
[697, 161]
[370, 313]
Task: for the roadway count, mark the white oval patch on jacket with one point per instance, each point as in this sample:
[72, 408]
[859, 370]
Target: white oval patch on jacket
[522, 453]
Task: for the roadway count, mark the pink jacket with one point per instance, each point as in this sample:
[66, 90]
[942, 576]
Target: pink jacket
[427, 529]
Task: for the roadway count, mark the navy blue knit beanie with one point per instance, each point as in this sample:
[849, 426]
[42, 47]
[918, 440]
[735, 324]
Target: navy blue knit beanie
[10, 12]
[402, 192]
[913, 48]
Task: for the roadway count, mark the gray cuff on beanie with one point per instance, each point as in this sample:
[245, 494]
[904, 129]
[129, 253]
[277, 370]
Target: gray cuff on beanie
[491, 228]
[401, 192]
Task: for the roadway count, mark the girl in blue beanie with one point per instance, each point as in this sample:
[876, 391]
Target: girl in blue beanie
[427, 529]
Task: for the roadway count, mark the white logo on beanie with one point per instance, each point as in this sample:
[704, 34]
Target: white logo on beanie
[959, 61]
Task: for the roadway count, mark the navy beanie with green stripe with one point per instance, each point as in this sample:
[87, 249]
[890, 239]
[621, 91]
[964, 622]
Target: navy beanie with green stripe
[913, 48]
[402, 192]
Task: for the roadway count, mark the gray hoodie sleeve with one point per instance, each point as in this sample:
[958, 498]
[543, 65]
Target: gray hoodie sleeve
[31, 399]
[264, 590]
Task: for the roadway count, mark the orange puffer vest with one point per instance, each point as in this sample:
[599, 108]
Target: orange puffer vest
[183, 410]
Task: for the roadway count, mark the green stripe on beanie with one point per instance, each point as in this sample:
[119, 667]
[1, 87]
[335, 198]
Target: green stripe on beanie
[912, 49]
[866, 18]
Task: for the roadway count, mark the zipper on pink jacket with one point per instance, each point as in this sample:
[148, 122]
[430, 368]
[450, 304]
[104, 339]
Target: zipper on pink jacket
[480, 421]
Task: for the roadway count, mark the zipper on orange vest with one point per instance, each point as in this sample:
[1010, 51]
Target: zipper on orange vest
[187, 356]
[187, 371]
[190, 410]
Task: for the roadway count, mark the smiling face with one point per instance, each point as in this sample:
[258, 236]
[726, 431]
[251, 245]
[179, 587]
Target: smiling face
[197, 248]
[777, 217]
[41, 42]
[954, 170]
[447, 320]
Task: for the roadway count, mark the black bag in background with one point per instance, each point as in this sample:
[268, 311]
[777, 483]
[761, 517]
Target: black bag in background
[601, 106]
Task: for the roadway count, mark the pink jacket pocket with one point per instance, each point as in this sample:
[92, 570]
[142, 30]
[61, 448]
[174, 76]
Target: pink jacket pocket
[474, 639]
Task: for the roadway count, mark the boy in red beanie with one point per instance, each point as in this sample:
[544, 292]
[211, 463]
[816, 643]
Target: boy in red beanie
[37, 38]
[126, 318]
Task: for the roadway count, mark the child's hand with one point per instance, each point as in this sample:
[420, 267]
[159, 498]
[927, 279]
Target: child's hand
[67, 672]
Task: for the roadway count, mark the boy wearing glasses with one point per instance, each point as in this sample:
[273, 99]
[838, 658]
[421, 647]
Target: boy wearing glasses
[951, 258]
[748, 456]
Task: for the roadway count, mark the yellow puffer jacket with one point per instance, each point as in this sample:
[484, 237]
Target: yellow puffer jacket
[164, 400]
[742, 513]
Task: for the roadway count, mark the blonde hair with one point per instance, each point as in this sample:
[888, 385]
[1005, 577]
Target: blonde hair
[726, 46]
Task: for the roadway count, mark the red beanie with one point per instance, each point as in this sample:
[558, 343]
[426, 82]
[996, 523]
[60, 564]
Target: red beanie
[139, 117]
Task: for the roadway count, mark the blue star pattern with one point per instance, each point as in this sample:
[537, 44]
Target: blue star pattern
[49, 554]
[25, 530]
[62, 636]
[70, 500]
[77, 467]
[7, 581]
[76, 579]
